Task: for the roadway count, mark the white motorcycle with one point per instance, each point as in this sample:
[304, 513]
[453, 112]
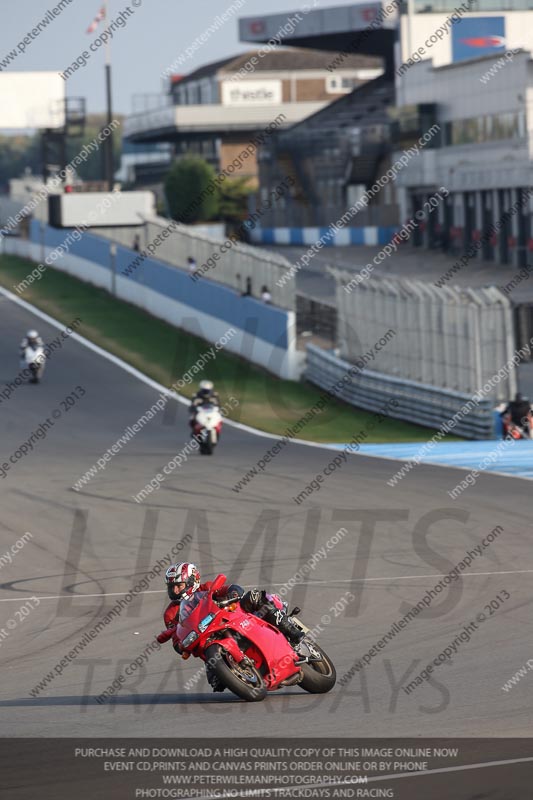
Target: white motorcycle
[207, 427]
[35, 359]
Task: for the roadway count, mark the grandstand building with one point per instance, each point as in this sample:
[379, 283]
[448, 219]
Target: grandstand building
[215, 111]
[479, 83]
[462, 66]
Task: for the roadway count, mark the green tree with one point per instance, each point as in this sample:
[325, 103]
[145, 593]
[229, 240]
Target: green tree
[18, 153]
[191, 190]
[23, 152]
[233, 205]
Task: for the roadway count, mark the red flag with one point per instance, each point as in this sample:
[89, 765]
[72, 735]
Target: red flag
[97, 20]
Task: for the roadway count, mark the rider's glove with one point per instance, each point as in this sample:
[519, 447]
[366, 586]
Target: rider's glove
[164, 636]
[252, 600]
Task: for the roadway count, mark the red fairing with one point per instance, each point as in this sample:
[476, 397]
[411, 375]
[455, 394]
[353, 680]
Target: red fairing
[172, 610]
[257, 639]
[197, 428]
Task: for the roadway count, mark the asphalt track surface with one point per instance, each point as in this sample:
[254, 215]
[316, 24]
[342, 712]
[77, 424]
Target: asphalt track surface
[120, 543]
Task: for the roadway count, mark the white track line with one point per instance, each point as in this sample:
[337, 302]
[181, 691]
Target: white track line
[185, 401]
[144, 378]
[393, 579]
[395, 776]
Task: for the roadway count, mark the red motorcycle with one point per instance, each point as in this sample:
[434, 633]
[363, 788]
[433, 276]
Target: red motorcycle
[513, 431]
[249, 656]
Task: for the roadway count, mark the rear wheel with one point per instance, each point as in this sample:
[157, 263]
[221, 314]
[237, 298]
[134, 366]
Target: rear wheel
[243, 679]
[319, 676]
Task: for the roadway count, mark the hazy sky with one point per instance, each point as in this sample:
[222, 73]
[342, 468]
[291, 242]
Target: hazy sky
[154, 36]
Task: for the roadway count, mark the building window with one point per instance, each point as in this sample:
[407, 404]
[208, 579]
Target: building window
[490, 128]
[336, 84]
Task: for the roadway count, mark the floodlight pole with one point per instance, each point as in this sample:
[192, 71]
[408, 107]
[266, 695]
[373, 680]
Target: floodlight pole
[109, 169]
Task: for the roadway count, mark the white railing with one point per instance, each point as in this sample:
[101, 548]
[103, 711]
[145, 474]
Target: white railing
[452, 338]
[233, 267]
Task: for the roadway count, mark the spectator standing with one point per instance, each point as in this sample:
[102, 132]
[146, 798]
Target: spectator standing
[266, 297]
[191, 265]
[248, 291]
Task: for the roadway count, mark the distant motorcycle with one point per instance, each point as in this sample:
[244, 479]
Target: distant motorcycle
[513, 431]
[35, 359]
[207, 427]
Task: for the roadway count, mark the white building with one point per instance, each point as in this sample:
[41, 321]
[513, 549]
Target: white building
[483, 155]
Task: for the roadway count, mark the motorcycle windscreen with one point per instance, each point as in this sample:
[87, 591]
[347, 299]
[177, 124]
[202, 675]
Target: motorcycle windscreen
[187, 606]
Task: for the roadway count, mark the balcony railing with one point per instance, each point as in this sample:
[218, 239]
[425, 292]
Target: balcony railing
[214, 118]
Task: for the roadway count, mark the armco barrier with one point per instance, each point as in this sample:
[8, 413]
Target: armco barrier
[417, 402]
[266, 335]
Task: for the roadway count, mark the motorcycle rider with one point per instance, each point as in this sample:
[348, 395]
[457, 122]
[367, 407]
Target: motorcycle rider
[520, 411]
[33, 340]
[183, 581]
[205, 394]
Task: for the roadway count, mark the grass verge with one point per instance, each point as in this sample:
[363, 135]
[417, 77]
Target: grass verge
[166, 354]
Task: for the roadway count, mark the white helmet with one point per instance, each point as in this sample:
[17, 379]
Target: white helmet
[186, 573]
[31, 335]
[206, 386]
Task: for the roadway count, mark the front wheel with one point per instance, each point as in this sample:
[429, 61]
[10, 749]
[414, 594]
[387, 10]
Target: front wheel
[319, 676]
[242, 679]
[206, 447]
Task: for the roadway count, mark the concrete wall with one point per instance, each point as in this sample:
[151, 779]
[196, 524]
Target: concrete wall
[266, 335]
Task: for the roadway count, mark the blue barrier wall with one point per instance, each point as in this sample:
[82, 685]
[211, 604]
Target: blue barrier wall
[210, 298]
[211, 305]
